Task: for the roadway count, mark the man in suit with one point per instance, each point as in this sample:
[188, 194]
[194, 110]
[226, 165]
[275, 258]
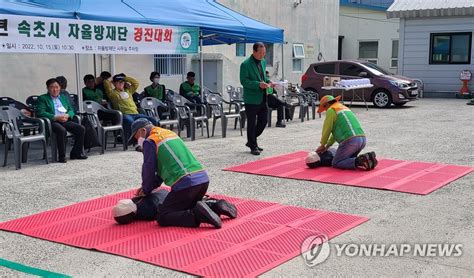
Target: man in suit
[57, 108]
[255, 84]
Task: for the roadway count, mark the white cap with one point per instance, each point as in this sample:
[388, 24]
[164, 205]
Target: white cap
[312, 157]
[124, 207]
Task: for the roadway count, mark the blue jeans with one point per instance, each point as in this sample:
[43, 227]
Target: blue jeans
[347, 152]
[128, 119]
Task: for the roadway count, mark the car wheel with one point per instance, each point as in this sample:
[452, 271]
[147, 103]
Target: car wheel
[382, 99]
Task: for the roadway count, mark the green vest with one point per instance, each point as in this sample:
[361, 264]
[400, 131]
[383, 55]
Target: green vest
[191, 90]
[174, 159]
[95, 95]
[346, 125]
[154, 92]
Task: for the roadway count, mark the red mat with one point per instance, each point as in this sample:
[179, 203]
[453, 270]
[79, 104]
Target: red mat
[263, 236]
[395, 175]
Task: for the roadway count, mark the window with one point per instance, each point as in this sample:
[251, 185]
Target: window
[450, 48]
[269, 55]
[350, 69]
[325, 69]
[394, 60]
[170, 64]
[240, 50]
[298, 56]
[369, 51]
[298, 65]
[298, 50]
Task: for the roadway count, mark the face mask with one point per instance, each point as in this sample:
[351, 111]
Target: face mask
[156, 80]
[140, 141]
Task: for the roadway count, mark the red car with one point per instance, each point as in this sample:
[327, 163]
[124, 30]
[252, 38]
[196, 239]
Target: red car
[388, 88]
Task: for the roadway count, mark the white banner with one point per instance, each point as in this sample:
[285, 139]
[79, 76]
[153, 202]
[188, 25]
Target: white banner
[27, 34]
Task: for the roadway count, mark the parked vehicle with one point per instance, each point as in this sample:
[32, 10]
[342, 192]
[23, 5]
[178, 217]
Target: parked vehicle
[388, 88]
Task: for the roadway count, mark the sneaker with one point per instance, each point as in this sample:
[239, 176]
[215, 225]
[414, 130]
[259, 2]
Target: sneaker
[373, 158]
[221, 207]
[205, 215]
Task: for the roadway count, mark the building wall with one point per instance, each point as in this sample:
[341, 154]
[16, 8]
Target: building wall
[359, 24]
[313, 23]
[415, 50]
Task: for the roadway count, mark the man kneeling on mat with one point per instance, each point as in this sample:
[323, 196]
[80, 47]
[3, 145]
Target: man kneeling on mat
[342, 126]
[167, 159]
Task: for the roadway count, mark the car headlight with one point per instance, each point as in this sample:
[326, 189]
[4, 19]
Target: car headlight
[399, 84]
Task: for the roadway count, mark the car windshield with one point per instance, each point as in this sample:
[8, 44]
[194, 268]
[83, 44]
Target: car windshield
[373, 68]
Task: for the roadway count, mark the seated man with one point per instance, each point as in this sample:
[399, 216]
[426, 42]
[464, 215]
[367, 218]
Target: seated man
[275, 103]
[167, 159]
[91, 92]
[190, 90]
[122, 100]
[59, 111]
[342, 126]
[156, 89]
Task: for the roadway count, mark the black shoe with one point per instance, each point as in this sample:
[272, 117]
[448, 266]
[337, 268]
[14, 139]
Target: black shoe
[255, 151]
[139, 149]
[81, 156]
[280, 124]
[221, 207]
[260, 149]
[62, 160]
[205, 215]
[373, 159]
[363, 162]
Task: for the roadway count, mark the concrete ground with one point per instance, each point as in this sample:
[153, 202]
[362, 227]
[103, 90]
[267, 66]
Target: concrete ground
[434, 130]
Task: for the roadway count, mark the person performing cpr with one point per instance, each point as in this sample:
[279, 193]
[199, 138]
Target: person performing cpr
[342, 126]
[166, 159]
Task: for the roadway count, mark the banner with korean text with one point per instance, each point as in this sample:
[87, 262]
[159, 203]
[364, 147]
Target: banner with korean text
[26, 34]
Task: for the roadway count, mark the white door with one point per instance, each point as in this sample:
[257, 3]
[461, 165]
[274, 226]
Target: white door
[210, 75]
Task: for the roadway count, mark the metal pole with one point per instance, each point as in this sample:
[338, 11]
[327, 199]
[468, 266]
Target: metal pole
[112, 64]
[282, 62]
[201, 66]
[95, 65]
[78, 85]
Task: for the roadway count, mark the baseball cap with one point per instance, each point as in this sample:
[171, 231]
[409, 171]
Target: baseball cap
[136, 125]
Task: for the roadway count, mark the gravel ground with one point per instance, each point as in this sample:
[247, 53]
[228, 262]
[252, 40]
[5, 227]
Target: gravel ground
[433, 130]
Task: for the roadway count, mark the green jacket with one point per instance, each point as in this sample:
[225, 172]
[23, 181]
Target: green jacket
[45, 106]
[250, 79]
[340, 124]
[95, 95]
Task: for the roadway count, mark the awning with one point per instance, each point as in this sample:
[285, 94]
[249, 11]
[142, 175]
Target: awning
[219, 24]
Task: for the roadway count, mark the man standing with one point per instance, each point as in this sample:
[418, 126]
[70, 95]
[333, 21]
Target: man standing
[167, 159]
[255, 84]
[342, 126]
[58, 110]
